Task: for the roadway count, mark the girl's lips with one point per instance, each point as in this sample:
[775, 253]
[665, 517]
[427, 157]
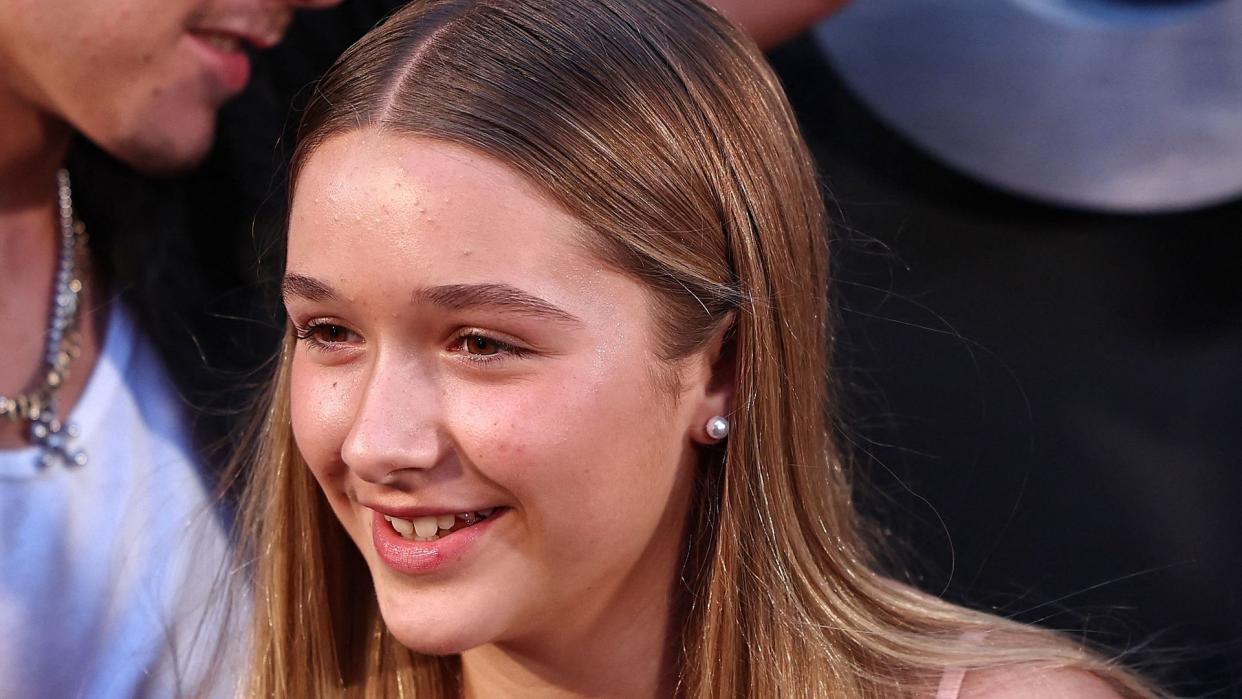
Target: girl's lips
[422, 557]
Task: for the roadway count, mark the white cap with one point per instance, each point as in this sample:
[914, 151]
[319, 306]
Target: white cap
[1112, 105]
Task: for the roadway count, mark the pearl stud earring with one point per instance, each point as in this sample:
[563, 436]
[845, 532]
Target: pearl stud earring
[718, 427]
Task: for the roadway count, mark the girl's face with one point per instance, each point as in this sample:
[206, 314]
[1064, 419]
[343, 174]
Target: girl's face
[465, 368]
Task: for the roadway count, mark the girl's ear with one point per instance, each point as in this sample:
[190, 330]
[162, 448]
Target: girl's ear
[716, 400]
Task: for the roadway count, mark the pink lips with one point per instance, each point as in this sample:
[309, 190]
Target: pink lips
[230, 68]
[422, 557]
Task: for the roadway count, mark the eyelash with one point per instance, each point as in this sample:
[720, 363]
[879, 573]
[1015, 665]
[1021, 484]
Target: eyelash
[504, 349]
[306, 333]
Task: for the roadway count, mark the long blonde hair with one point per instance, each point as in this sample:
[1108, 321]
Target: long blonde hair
[662, 129]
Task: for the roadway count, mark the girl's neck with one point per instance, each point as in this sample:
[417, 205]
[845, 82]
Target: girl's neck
[600, 667]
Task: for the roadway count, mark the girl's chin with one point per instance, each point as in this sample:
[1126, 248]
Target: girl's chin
[426, 630]
[425, 642]
[440, 619]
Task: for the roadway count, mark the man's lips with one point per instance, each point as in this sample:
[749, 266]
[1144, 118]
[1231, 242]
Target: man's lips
[223, 41]
[236, 39]
[224, 58]
[256, 31]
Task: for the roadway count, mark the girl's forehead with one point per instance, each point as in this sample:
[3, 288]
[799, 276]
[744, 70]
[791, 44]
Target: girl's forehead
[378, 215]
[370, 177]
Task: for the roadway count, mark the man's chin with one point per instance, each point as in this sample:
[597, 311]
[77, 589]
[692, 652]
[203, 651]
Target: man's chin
[162, 155]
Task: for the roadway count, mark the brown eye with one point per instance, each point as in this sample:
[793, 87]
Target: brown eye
[330, 333]
[481, 346]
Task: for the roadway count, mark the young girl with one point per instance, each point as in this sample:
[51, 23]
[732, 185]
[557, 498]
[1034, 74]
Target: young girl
[552, 417]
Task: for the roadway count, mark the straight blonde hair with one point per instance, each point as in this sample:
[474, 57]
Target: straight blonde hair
[662, 129]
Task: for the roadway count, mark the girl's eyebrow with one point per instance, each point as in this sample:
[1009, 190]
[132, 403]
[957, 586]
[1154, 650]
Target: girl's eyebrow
[449, 296]
[304, 287]
[493, 295]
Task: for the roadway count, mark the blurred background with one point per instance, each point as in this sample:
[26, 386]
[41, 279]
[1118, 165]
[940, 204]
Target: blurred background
[1039, 286]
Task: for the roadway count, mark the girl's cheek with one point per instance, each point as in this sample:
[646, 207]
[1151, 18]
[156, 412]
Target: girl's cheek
[517, 420]
[321, 415]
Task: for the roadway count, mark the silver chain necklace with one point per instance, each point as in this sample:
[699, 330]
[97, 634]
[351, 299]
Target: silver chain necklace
[37, 408]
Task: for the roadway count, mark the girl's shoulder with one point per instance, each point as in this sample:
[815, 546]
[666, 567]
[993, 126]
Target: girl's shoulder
[1029, 681]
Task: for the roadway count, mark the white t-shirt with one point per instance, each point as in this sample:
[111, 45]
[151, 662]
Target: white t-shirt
[106, 569]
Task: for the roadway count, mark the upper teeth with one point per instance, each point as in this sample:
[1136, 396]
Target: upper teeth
[224, 42]
[427, 528]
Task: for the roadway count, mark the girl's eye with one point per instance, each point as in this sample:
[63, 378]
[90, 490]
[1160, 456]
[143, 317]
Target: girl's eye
[330, 333]
[326, 334]
[480, 346]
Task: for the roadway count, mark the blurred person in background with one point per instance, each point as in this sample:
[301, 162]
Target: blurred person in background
[109, 540]
[1036, 208]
